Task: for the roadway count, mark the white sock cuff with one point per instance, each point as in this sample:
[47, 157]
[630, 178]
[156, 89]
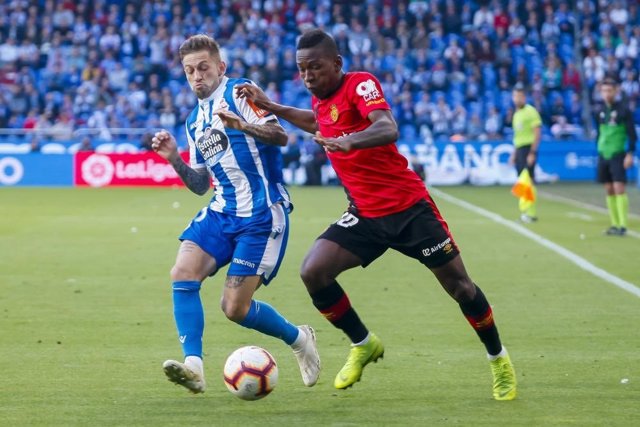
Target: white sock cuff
[364, 341]
[502, 353]
[194, 363]
[300, 339]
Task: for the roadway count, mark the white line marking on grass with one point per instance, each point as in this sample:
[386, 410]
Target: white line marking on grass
[578, 203]
[566, 253]
[587, 206]
[581, 216]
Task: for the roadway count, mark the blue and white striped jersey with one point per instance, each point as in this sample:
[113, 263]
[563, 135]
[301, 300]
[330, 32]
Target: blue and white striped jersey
[247, 174]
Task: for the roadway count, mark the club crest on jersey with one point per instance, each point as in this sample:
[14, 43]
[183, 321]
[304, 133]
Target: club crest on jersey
[333, 112]
[212, 145]
[368, 90]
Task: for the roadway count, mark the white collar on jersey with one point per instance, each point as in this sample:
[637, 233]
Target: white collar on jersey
[218, 93]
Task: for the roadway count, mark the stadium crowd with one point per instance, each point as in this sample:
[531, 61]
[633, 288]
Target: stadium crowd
[447, 67]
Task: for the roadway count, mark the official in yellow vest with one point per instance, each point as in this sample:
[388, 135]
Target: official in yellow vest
[526, 139]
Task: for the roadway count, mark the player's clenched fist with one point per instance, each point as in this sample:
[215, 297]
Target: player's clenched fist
[164, 144]
[333, 144]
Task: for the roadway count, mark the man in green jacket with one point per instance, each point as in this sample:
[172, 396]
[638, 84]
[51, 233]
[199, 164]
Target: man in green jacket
[615, 156]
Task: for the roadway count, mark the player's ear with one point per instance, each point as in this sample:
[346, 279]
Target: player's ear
[222, 68]
[338, 63]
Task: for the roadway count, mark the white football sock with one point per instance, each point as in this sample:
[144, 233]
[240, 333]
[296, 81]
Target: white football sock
[301, 339]
[194, 363]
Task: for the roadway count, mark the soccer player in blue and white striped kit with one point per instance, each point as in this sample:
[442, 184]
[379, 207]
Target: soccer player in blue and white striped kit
[246, 223]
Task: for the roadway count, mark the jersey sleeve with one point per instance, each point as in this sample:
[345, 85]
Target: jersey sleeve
[252, 113]
[536, 120]
[366, 93]
[195, 158]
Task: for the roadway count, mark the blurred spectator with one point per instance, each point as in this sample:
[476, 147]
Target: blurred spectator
[564, 130]
[483, 17]
[475, 129]
[85, 144]
[571, 78]
[574, 112]
[594, 67]
[98, 121]
[493, 124]
[291, 153]
[62, 129]
[459, 121]
[313, 157]
[441, 119]
[60, 57]
[253, 56]
[359, 41]
[501, 19]
[630, 86]
[552, 75]
[34, 144]
[618, 14]
[422, 109]
[9, 51]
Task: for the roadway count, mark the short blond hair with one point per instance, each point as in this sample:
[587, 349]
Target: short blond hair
[198, 43]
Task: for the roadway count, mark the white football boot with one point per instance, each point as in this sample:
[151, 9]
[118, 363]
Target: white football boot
[184, 375]
[306, 353]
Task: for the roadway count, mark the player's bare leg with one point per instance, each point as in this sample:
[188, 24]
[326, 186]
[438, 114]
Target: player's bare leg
[454, 279]
[239, 306]
[323, 263]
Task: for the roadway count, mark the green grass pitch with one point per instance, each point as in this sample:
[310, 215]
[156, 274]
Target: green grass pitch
[86, 318]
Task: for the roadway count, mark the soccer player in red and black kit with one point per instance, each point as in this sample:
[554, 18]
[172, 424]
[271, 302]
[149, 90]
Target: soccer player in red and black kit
[389, 207]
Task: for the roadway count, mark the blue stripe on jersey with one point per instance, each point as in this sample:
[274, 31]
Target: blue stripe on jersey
[243, 154]
[228, 192]
[272, 162]
[193, 116]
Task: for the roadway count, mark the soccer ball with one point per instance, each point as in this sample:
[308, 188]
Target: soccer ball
[250, 373]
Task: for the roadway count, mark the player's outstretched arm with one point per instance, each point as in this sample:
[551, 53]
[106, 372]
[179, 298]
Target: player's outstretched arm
[165, 145]
[269, 133]
[303, 119]
[382, 131]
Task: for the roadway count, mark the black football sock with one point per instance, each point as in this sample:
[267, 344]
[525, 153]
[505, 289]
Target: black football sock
[479, 314]
[334, 304]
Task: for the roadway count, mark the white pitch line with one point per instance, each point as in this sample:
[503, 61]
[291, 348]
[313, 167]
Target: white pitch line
[578, 203]
[578, 215]
[562, 251]
[587, 206]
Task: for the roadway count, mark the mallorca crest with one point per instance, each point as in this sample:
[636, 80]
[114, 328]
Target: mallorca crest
[333, 112]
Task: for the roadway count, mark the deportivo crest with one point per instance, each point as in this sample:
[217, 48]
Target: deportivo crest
[333, 112]
[212, 145]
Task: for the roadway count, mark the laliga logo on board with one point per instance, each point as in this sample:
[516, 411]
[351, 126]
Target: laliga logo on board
[11, 171]
[97, 170]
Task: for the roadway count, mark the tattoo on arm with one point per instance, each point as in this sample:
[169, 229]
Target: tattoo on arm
[195, 180]
[270, 133]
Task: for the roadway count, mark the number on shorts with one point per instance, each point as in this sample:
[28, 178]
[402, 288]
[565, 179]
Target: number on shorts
[347, 220]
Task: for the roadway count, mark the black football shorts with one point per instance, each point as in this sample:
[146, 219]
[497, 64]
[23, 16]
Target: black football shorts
[612, 170]
[419, 232]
